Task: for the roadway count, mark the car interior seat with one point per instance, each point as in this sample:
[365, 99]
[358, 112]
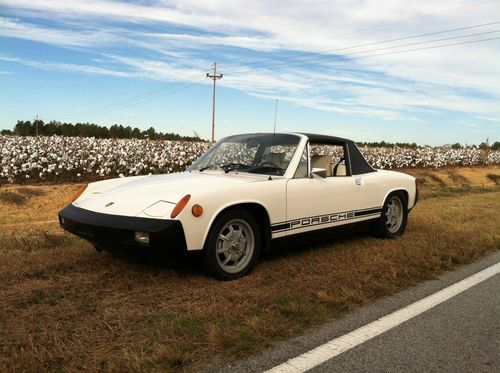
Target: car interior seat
[339, 169]
[275, 158]
[322, 161]
[301, 171]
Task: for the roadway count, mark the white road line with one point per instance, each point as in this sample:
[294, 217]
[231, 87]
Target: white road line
[335, 347]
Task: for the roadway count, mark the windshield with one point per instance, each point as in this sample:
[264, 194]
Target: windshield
[256, 153]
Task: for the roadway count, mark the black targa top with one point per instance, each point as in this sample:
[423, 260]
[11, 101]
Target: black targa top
[356, 162]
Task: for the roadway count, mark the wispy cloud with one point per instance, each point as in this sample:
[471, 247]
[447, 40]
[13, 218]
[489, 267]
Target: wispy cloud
[167, 40]
[66, 67]
[15, 29]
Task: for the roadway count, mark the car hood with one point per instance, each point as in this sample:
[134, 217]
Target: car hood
[131, 195]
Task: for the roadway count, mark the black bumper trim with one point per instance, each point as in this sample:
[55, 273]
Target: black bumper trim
[108, 231]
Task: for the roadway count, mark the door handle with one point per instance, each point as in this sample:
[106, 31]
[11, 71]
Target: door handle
[358, 181]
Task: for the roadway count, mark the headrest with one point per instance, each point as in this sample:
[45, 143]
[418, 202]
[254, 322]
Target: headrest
[276, 158]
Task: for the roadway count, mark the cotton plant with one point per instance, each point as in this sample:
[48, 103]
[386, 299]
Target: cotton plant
[78, 158]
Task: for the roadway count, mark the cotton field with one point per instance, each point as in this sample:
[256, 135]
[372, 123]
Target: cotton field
[73, 158]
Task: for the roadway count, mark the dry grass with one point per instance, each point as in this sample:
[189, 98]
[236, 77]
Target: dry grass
[494, 177]
[456, 176]
[66, 307]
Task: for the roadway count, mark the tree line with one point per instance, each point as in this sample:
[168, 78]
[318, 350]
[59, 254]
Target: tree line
[118, 131]
[28, 128]
[383, 144]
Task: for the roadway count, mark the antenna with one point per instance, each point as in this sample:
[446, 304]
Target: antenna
[275, 116]
[274, 131]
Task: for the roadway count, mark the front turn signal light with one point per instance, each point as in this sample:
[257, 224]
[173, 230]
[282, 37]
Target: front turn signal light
[197, 210]
[180, 206]
[79, 192]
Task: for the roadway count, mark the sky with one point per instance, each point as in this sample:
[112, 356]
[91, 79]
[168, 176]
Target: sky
[425, 72]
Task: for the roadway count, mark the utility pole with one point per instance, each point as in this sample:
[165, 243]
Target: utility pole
[215, 77]
[36, 125]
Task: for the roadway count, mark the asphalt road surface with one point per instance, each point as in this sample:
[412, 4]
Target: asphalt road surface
[462, 334]
[459, 335]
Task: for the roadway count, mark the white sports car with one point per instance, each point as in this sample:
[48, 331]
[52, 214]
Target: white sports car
[244, 192]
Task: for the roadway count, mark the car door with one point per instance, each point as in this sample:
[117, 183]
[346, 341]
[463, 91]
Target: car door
[320, 202]
[373, 186]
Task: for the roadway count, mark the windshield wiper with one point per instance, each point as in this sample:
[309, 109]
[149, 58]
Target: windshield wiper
[207, 167]
[226, 167]
[233, 166]
[267, 168]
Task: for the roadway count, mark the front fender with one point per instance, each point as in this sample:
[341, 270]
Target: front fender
[271, 195]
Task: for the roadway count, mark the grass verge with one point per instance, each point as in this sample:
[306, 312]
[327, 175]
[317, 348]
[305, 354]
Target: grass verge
[66, 307]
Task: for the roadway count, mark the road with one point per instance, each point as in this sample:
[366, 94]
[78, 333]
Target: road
[460, 334]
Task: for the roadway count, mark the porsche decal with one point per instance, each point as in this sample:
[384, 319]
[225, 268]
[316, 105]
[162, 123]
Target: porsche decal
[324, 219]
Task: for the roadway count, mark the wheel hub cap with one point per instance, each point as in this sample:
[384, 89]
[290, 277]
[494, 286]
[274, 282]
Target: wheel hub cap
[235, 245]
[394, 214]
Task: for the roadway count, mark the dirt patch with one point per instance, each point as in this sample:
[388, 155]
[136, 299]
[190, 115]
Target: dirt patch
[436, 179]
[12, 198]
[458, 179]
[31, 191]
[494, 177]
[452, 176]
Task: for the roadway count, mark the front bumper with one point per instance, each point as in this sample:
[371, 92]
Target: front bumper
[111, 232]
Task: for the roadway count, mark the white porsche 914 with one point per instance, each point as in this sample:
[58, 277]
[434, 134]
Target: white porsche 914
[244, 192]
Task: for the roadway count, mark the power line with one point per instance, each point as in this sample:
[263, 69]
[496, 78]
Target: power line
[303, 58]
[419, 49]
[325, 53]
[430, 47]
[432, 41]
[131, 99]
[152, 93]
[409, 44]
[385, 25]
[473, 5]
[228, 106]
[144, 100]
[354, 58]
[202, 95]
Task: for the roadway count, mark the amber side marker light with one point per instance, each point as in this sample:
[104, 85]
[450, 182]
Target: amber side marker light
[79, 192]
[180, 206]
[197, 210]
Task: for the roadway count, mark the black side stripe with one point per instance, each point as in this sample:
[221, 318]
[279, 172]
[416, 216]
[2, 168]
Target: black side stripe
[280, 227]
[368, 212]
[324, 219]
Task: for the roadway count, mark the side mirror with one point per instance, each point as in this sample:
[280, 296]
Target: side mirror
[319, 172]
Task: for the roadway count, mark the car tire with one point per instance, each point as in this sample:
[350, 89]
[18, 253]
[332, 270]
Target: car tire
[233, 246]
[392, 222]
